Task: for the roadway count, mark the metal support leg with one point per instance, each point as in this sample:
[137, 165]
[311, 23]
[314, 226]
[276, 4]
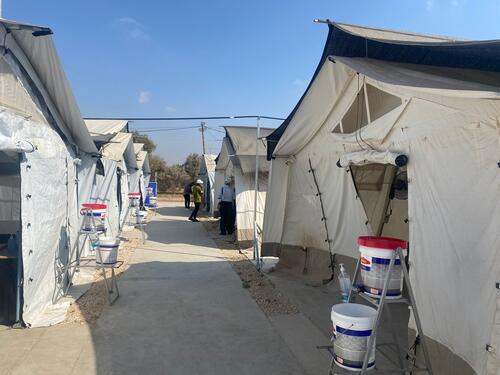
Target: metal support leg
[415, 312]
[111, 285]
[401, 357]
[376, 324]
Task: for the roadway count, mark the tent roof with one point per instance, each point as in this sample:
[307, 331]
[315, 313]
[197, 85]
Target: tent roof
[239, 148]
[33, 47]
[104, 130]
[138, 147]
[243, 139]
[142, 157]
[210, 161]
[462, 82]
[119, 148]
[400, 47]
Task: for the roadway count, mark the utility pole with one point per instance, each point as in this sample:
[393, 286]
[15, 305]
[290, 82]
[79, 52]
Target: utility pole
[202, 129]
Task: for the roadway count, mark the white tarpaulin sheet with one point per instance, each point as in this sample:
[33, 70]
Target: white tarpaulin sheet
[452, 142]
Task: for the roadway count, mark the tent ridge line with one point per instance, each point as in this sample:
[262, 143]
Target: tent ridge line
[344, 89]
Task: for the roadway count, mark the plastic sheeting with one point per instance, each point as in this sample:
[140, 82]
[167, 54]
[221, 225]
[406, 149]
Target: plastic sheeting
[48, 216]
[39, 59]
[453, 206]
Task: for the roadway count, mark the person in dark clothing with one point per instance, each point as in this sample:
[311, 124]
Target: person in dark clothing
[187, 194]
[226, 208]
[197, 198]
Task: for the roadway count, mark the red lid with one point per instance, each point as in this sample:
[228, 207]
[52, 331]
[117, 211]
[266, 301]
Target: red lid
[95, 206]
[133, 194]
[388, 243]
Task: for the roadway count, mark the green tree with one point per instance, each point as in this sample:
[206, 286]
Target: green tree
[149, 145]
[192, 165]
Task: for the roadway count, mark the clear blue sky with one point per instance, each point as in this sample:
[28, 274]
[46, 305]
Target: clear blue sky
[217, 57]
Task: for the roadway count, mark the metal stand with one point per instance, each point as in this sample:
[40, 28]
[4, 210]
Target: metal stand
[407, 362]
[111, 283]
[138, 221]
[88, 231]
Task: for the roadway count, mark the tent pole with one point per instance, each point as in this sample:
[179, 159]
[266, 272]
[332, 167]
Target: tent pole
[256, 255]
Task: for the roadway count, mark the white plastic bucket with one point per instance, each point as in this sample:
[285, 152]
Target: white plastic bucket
[95, 216]
[352, 328]
[376, 254]
[134, 199]
[152, 201]
[107, 254]
[141, 217]
[149, 191]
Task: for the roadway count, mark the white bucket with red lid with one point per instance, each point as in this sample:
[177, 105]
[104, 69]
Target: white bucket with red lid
[376, 253]
[134, 199]
[95, 216]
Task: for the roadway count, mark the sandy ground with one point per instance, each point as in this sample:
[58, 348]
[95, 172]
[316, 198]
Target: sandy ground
[90, 305]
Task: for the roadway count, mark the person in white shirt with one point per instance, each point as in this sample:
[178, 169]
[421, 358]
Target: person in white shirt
[226, 208]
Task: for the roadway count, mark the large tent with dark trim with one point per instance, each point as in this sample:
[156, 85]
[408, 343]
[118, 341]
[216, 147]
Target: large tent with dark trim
[398, 134]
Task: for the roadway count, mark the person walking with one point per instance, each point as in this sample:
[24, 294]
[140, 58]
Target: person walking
[197, 199]
[187, 194]
[226, 208]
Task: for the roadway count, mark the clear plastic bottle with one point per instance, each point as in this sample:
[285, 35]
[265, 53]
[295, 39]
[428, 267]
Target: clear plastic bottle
[94, 243]
[345, 283]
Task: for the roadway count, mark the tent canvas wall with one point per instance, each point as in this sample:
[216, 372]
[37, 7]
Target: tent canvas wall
[119, 161]
[236, 161]
[43, 138]
[135, 175]
[362, 112]
[143, 167]
[207, 175]
[110, 186]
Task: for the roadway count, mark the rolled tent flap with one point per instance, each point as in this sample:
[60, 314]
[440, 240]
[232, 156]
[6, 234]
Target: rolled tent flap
[372, 156]
[12, 145]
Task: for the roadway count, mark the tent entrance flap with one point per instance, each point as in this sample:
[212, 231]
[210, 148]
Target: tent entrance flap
[383, 191]
[10, 226]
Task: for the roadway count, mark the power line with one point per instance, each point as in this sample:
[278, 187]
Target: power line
[166, 129]
[215, 130]
[185, 118]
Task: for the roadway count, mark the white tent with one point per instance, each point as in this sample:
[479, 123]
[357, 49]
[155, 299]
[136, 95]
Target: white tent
[237, 161]
[42, 139]
[117, 158]
[143, 165]
[207, 175]
[140, 179]
[436, 105]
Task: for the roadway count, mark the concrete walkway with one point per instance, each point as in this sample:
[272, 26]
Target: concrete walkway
[182, 310]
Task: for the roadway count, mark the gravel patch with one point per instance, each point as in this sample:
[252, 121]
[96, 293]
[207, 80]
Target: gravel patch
[263, 291]
[89, 307]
